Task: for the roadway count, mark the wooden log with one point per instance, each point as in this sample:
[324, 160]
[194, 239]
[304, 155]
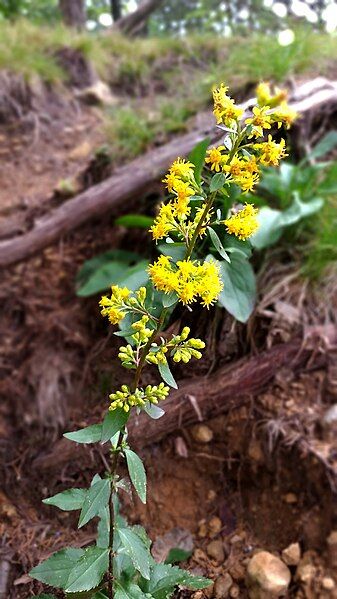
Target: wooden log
[135, 177]
[204, 397]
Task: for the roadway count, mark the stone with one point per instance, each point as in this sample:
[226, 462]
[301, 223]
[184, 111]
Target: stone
[290, 498]
[306, 571]
[202, 433]
[237, 571]
[267, 576]
[81, 151]
[234, 591]
[291, 555]
[215, 550]
[222, 586]
[328, 583]
[215, 526]
[96, 94]
[332, 548]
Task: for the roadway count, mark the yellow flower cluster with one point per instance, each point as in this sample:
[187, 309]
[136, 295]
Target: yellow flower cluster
[242, 171]
[188, 279]
[114, 307]
[126, 399]
[270, 152]
[180, 347]
[225, 110]
[265, 96]
[244, 223]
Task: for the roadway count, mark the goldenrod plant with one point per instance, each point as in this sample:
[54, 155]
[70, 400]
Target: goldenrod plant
[120, 564]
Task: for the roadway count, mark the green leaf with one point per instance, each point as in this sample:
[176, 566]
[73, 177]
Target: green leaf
[325, 145]
[153, 411]
[137, 473]
[113, 422]
[136, 550]
[44, 596]
[97, 498]
[270, 228]
[217, 244]
[197, 157]
[115, 273]
[71, 499]
[239, 292]
[89, 267]
[136, 276]
[167, 375]
[56, 569]
[164, 579]
[177, 555]
[103, 528]
[175, 250]
[217, 182]
[89, 570]
[169, 299]
[127, 590]
[89, 434]
[135, 221]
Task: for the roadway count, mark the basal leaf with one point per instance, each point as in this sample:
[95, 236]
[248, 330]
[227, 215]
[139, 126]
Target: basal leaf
[89, 570]
[89, 434]
[239, 287]
[136, 550]
[56, 569]
[113, 422]
[325, 145]
[135, 221]
[96, 499]
[217, 244]
[71, 499]
[167, 375]
[137, 473]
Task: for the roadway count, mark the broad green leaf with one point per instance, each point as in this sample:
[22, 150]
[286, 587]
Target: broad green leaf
[113, 422]
[270, 228]
[128, 590]
[115, 273]
[71, 499]
[175, 250]
[169, 299]
[239, 291]
[217, 244]
[136, 550]
[137, 473]
[164, 579]
[91, 266]
[325, 145]
[153, 411]
[329, 183]
[135, 221]
[92, 594]
[136, 276]
[167, 375]
[217, 182]
[299, 210]
[177, 555]
[56, 569]
[89, 434]
[89, 570]
[197, 157]
[97, 498]
[103, 528]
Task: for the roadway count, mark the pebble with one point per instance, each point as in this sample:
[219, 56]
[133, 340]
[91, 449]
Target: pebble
[215, 550]
[234, 591]
[305, 572]
[222, 586]
[214, 525]
[328, 583]
[267, 576]
[290, 498]
[202, 433]
[291, 555]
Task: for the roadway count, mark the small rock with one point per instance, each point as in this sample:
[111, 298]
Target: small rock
[80, 151]
[237, 571]
[98, 93]
[214, 525]
[332, 548]
[255, 451]
[328, 583]
[202, 530]
[306, 570]
[267, 576]
[222, 586]
[198, 595]
[202, 433]
[211, 495]
[235, 539]
[290, 498]
[215, 550]
[330, 416]
[209, 591]
[291, 555]
[199, 556]
[234, 591]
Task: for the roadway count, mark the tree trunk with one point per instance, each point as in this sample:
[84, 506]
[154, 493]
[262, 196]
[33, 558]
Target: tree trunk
[73, 13]
[135, 21]
[116, 10]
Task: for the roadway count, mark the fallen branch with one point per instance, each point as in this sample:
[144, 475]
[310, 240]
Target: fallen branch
[133, 178]
[133, 22]
[206, 397]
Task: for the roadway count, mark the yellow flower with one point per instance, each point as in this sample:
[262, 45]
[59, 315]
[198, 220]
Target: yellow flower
[270, 152]
[171, 180]
[259, 121]
[215, 158]
[183, 190]
[284, 115]
[245, 172]
[164, 222]
[189, 279]
[114, 307]
[225, 110]
[265, 97]
[182, 168]
[244, 223]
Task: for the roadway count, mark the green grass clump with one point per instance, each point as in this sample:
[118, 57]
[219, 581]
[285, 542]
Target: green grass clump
[129, 133]
[321, 251]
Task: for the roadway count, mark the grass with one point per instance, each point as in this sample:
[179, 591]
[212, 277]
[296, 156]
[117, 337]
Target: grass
[322, 249]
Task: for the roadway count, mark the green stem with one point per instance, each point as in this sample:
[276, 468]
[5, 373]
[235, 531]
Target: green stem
[198, 228]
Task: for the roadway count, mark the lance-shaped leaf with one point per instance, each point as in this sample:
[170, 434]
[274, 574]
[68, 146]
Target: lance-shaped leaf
[56, 569]
[89, 434]
[96, 499]
[153, 411]
[167, 375]
[217, 182]
[71, 499]
[113, 422]
[128, 591]
[134, 547]
[137, 473]
[217, 244]
[197, 156]
[89, 570]
[164, 578]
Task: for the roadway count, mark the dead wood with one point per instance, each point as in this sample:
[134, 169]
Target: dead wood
[136, 177]
[206, 397]
[135, 21]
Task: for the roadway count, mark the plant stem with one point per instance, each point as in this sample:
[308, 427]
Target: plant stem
[198, 228]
